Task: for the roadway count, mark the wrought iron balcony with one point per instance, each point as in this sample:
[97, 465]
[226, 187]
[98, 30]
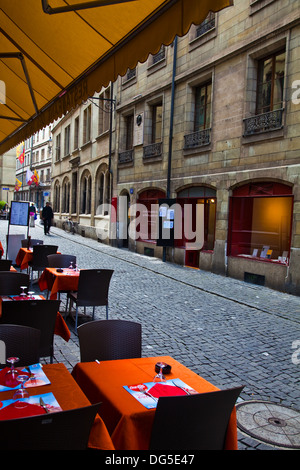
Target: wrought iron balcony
[159, 56]
[265, 122]
[197, 139]
[126, 156]
[205, 26]
[152, 150]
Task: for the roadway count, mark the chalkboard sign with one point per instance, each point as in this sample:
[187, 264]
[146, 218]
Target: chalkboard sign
[19, 213]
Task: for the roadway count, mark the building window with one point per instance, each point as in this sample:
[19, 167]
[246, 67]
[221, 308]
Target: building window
[157, 123]
[66, 196]
[103, 192]
[189, 201]
[57, 148]
[129, 132]
[104, 111]
[202, 107]
[87, 114]
[270, 83]
[207, 25]
[202, 118]
[126, 155]
[130, 74]
[260, 221]
[56, 197]
[159, 56]
[74, 193]
[67, 141]
[76, 133]
[86, 192]
[269, 95]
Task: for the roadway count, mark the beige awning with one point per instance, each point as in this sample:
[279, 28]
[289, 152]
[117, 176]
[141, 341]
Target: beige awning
[50, 60]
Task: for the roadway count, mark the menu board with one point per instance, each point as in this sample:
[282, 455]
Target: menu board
[19, 213]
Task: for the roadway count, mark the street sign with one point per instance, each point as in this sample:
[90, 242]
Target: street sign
[5, 189]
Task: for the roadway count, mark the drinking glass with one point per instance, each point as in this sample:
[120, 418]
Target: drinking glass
[31, 294]
[160, 376]
[71, 265]
[12, 374]
[23, 293]
[21, 393]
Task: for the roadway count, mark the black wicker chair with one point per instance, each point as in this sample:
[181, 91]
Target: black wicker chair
[22, 342]
[93, 287]
[40, 314]
[40, 258]
[109, 339]
[11, 282]
[194, 422]
[58, 260]
[61, 430]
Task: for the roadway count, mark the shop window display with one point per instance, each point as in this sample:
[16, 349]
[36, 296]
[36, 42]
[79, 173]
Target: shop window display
[260, 222]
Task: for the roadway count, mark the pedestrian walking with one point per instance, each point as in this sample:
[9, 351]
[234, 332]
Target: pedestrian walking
[47, 216]
[32, 214]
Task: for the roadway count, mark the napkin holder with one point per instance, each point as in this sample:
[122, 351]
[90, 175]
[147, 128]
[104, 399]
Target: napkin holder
[165, 370]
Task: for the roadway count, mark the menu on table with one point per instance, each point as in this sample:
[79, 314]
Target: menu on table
[22, 297]
[148, 393]
[35, 405]
[36, 377]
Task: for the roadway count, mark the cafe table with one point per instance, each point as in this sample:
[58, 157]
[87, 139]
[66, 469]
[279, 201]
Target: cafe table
[128, 421]
[68, 396]
[56, 281]
[23, 258]
[61, 328]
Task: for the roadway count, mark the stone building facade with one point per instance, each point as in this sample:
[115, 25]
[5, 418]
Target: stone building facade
[211, 124]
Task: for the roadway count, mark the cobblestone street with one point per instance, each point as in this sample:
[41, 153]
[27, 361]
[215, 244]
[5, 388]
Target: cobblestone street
[227, 331]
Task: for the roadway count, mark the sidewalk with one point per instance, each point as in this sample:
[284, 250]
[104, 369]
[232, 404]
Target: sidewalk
[228, 331]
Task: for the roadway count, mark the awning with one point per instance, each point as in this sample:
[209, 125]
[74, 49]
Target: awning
[52, 60]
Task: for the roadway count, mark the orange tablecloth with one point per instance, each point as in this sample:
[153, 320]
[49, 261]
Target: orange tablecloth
[54, 282]
[128, 421]
[69, 396]
[23, 257]
[61, 328]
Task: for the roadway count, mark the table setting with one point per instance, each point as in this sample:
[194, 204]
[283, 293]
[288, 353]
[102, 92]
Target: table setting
[18, 380]
[50, 389]
[126, 409]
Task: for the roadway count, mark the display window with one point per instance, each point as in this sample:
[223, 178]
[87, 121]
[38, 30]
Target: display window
[260, 222]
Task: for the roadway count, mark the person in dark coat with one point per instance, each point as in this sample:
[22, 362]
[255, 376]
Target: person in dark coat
[47, 215]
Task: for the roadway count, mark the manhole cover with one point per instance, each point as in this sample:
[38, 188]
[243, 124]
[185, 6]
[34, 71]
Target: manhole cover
[271, 423]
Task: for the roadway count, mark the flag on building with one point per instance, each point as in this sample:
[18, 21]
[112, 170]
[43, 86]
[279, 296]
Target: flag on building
[18, 184]
[35, 178]
[21, 153]
[29, 177]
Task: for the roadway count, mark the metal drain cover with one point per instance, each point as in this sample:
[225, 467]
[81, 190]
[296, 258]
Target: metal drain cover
[271, 423]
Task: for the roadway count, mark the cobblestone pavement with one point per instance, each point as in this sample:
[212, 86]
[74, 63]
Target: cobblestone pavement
[227, 331]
